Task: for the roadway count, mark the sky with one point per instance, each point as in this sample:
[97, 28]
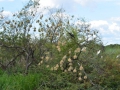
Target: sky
[103, 15]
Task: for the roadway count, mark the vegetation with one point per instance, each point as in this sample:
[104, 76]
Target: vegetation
[54, 52]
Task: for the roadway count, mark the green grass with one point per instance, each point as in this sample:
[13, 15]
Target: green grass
[19, 81]
[112, 51]
[52, 80]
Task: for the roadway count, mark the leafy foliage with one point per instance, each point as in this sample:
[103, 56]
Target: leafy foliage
[62, 48]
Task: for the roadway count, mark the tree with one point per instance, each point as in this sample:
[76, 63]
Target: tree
[16, 39]
[61, 41]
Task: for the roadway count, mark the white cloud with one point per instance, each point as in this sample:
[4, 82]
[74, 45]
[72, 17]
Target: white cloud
[114, 27]
[98, 23]
[46, 4]
[115, 19]
[57, 3]
[49, 3]
[109, 31]
[6, 13]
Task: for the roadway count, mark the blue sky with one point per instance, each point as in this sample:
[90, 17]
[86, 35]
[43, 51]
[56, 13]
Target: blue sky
[103, 15]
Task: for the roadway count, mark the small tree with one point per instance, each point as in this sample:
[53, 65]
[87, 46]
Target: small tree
[72, 47]
[15, 39]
